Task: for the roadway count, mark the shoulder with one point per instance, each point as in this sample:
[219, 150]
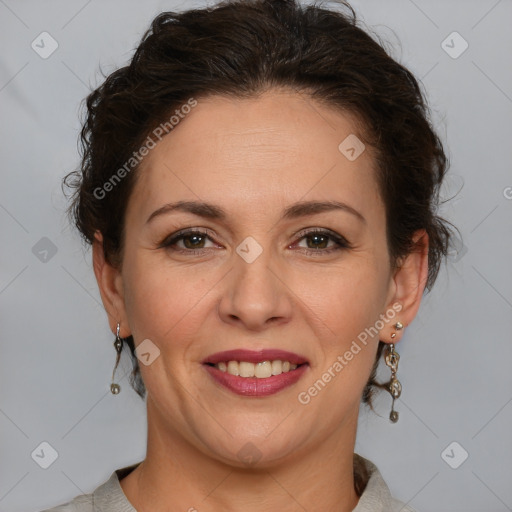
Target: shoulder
[108, 497]
[376, 496]
[82, 503]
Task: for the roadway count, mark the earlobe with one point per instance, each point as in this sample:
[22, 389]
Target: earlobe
[410, 280]
[110, 286]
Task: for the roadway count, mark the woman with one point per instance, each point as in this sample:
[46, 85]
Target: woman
[259, 187]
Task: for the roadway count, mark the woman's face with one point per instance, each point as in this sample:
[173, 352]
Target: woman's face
[251, 283]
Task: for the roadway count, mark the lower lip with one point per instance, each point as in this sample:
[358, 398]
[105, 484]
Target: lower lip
[252, 386]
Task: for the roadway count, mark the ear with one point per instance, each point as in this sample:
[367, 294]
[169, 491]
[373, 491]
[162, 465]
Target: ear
[110, 284]
[409, 282]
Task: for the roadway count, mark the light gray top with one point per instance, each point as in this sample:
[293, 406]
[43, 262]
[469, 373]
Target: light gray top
[109, 496]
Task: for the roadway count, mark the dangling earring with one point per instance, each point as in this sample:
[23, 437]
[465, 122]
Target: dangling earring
[118, 344]
[394, 388]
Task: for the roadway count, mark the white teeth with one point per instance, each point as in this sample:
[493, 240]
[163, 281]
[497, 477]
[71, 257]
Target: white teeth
[263, 370]
[277, 367]
[232, 368]
[246, 369]
[260, 370]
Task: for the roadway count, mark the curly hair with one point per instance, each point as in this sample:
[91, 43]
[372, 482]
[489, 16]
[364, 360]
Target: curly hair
[241, 48]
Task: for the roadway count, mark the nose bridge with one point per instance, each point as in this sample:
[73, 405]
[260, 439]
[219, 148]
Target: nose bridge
[255, 293]
[252, 274]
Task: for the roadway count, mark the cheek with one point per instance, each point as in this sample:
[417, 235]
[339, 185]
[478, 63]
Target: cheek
[348, 339]
[346, 308]
[347, 298]
[161, 300]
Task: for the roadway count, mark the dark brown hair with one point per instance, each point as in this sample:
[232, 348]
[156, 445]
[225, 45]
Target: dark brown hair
[242, 48]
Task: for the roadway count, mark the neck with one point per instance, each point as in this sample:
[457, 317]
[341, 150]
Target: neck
[176, 472]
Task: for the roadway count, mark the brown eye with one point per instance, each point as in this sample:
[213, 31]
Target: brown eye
[318, 241]
[192, 240]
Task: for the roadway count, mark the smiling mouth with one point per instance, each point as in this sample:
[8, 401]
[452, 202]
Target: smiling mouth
[260, 370]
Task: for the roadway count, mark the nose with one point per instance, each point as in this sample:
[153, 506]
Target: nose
[256, 295]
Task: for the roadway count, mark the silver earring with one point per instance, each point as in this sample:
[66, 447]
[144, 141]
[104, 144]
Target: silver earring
[394, 387]
[118, 345]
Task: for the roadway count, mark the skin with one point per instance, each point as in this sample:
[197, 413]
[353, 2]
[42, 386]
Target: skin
[254, 157]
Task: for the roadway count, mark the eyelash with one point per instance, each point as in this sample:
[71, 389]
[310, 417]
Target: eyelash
[341, 242]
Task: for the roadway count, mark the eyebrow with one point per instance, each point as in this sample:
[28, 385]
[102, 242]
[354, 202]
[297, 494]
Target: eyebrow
[215, 212]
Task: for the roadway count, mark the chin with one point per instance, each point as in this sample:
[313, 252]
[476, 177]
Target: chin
[257, 450]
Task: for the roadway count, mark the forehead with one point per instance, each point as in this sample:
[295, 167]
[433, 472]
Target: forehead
[256, 154]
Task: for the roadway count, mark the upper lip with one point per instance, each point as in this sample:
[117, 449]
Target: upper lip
[252, 356]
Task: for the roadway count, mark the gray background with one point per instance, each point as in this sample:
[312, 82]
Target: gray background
[57, 354]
